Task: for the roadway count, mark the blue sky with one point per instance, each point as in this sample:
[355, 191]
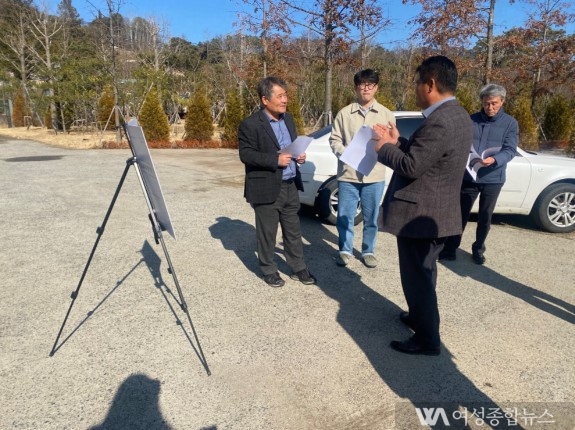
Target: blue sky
[202, 20]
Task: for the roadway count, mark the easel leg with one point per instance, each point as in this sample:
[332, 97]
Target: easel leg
[100, 231]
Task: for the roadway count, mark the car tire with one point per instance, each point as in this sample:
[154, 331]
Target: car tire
[554, 210]
[326, 203]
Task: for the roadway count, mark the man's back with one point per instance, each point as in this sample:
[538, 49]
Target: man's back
[422, 200]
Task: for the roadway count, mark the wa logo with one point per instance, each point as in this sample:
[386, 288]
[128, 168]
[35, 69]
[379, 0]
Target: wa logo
[430, 416]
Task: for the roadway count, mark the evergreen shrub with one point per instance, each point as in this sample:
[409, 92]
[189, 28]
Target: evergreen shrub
[19, 110]
[232, 119]
[520, 109]
[154, 120]
[199, 126]
[557, 122]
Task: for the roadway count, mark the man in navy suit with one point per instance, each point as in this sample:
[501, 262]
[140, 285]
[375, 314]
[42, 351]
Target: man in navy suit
[273, 180]
[421, 205]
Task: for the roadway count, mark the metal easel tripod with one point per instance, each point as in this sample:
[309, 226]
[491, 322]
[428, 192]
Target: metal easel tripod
[157, 230]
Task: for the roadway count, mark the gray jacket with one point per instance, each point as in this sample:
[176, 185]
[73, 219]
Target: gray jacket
[422, 200]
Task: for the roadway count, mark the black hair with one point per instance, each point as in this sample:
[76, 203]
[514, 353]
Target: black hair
[368, 76]
[266, 85]
[442, 70]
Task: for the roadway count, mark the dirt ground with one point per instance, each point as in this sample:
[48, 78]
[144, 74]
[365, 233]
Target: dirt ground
[75, 139]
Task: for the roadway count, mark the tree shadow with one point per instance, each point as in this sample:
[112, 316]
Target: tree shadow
[371, 320]
[135, 406]
[539, 299]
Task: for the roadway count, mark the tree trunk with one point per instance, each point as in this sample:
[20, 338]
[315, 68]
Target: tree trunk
[328, 62]
[490, 42]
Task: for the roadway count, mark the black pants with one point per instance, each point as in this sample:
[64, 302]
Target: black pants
[284, 212]
[418, 270]
[488, 194]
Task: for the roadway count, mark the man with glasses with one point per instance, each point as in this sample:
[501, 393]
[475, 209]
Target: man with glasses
[273, 180]
[355, 188]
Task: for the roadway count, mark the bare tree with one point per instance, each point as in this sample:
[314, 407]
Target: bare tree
[552, 52]
[267, 18]
[334, 21]
[538, 58]
[15, 42]
[108, 44]
[452, 27]
[44, 28]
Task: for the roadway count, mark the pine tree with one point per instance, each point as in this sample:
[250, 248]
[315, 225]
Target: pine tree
[199, 124]
[153, 119]
[233, 117]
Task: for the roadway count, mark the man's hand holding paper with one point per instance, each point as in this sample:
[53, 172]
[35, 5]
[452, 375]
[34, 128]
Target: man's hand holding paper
[298, 147]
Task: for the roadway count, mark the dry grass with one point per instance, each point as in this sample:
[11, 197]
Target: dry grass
[105, 140]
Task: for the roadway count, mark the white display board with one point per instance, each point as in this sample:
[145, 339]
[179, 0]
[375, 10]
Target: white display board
[141, 152]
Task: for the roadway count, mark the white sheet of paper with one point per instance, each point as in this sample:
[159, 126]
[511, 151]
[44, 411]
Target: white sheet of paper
[297, 147]
[360, 153]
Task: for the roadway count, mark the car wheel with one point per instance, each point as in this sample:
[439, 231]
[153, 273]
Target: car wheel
[554, 210]
[327, 202]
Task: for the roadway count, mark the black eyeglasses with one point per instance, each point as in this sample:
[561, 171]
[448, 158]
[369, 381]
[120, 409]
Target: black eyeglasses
[367, 85]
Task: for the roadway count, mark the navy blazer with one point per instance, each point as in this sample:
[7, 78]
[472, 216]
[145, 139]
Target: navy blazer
[259, 152]
[422, 199]
[500, 130]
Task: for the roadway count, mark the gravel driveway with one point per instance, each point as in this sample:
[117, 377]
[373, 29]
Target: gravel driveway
[297, 357]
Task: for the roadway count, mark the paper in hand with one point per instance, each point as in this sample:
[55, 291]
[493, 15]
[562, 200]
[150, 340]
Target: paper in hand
[360, 153]
[297, 147]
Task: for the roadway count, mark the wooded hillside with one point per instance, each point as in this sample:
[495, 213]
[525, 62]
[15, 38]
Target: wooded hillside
[54, 68]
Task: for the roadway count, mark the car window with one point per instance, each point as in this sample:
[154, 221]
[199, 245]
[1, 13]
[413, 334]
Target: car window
[407, 126]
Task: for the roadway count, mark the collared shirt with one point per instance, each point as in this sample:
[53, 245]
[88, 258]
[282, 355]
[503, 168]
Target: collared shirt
[431, 109]
[365, 110]
[284, 139]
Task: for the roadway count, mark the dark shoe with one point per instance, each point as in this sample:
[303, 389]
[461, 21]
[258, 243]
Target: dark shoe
[404, 318]
[478, 258]
[304, 277]
[274, 280]
[410, 346]
[447, 255]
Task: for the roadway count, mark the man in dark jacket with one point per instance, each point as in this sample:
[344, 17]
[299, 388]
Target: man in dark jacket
[421, 205]
[496, 134]
[273, 180]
